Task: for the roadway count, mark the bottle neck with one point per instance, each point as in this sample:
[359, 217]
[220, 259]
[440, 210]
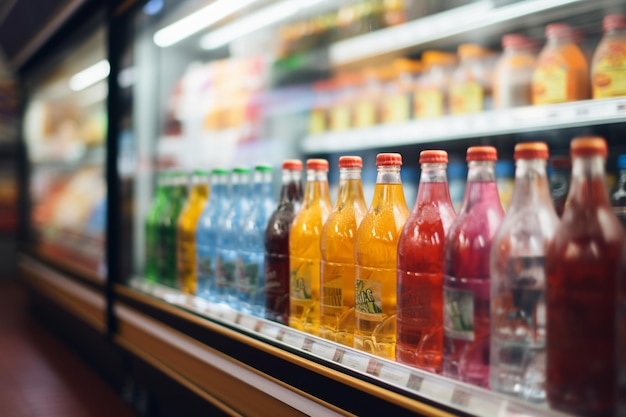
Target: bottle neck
[262, 184]
[481, 171]
[433, 174]
[219, 186]
[388, 174]
[291, 186]
[588, 185]
[350, 185]
[316, 186]
[531, 184]
[240, 185]
[200, 190]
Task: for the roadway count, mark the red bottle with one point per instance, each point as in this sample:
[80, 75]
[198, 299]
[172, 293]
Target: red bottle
[419, 331]
[581, 268]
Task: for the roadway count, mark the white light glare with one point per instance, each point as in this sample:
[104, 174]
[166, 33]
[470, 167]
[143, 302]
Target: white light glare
[90, 75]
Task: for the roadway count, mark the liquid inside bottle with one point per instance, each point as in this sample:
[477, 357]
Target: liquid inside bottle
[167, 231]
[420, 268]
[152, 226]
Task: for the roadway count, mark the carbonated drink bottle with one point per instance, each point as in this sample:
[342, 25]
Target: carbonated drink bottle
[277, 243]
[152, 225]
[304, 249]
[466, 283]
[581, 265]
[376, 265]
[206, 233]
[518, 283]
[337, 246]
[618, 197]
[419, 329]
[187, 224]
[250, 270]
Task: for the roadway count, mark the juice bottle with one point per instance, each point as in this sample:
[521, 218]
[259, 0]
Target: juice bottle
[430, 98]
[420, 268]
[513, 74]
[470, 89]
[562, 72]
[581, 265]
[366, 110]
[304, 249]
[186, 234]
[466, 277]
[342, 107]
[518, 283]
[152, 218]
[337, 246]
[608, 65]
[397, 103]
[376, 247]
[319, 118]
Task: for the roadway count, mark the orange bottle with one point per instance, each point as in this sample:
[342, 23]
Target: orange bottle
[562, 72]
[608, 66]
[513, 74]
[337, 245]
[430, 91]
[470, 89]
[397, 100]
[376, 269]
[304, 249]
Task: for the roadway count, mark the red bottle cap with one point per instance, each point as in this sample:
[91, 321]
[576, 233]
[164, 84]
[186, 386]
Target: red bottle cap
[531, 150]
[515, 40]
[433, 157]
[350, 162]
[613, 22]
[482, 153]
[292, 164]
[317, 164]
[388, 159]
[588, 146]
[559, 30]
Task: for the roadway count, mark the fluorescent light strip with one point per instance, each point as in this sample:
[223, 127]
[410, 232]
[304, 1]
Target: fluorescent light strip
[195, 22]
[90, 75]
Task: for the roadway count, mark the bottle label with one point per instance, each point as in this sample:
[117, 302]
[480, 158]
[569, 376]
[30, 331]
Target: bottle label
[317, 121]
[428, 103]
[300, 283]
[609, 75]
[466, 98]
[458, 318]
[249, 273]
[397, 108]
[550, 83]
[340, 118]
[365, 114]
[204, 264]
[332, 285]
[368, 298]
[226, 269]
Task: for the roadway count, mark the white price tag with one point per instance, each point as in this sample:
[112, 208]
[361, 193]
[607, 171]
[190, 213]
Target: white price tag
[460, 397]
[395, 375]
[293, 339]
[436, 391]
[355, 361]
[229, 314]
[490, 408]
[324, 350]
[270, 330]
[249, 322]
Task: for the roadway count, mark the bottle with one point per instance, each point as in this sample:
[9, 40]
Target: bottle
[608, 65]
[581, 265]
[419, 329]
[250, 270]
[152, 219]
[470, 89]
[398, 92]
[229, 236]
[559, 176]
[562, 72]
[518, 283]
[376, 265]
[304, 249]
[430, 99]
[618, 197]
[337, 248]
[466, 276]
[323, 98]
[513, 74]
[207, 231]
[186, 234]
[277, 243]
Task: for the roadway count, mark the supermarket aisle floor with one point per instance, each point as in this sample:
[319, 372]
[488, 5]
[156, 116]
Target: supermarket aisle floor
[39, 375]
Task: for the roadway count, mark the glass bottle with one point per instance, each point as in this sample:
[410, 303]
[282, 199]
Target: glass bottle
[166, 252]
[277, 243]
[608, 64]
[376, 248]
[518, 284]
[337, 246]
[512, 81]
[152, 219]
[304, 249]
[466, 277]
[618, 197]
[420, 268]
[430, 99]
[471, 82]
[581, 265]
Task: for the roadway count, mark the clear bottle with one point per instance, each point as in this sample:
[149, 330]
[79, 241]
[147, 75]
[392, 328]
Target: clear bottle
[618, 196]
[471, 84]
[376, 264]
[466, 280]
[513, 74]
[250, 270]
[207, 231]
[304, 249]
[277, 243]
[608, 65]
[420, 268]
[337, 246]
[581, 265]
[160, 200]
[518, 283]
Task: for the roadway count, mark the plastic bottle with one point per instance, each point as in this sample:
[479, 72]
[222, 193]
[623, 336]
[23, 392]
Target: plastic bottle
[420, 268]
[376, 264]
[518, 283]
[152, 220]
[562, 72]
[250, 271]
[513, 74]
[304, 249]
[608, 65]
[618, 197]
[337, 248]
[466, 280]
[581, 265]
[277, 243]
[431, 98]
[470, 89]
[207, 231]
[186, 234]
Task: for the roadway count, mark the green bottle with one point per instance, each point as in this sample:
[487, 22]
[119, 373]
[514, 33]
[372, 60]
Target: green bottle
[152, 219]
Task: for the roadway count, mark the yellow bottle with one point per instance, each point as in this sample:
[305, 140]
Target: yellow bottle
[337, 246]
[186, 231]
[304, 249]
[376, 252]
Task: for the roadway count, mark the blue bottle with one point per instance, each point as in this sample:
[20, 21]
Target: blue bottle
[229, 236]
[250, 275]
[206, 233]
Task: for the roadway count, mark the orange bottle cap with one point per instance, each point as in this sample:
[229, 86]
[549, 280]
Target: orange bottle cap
[588, 146]
[471, 50]
[317, 164]
[430, 58]
[433, 157]
[531, 150]
[388, 159]
[559, 30]
[482, 153]
[292, 164]
[403, 65]
[350, 162]
[613, 22]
